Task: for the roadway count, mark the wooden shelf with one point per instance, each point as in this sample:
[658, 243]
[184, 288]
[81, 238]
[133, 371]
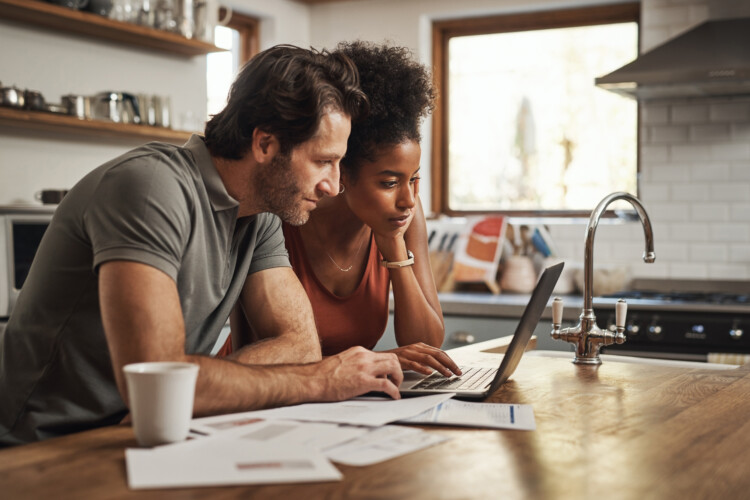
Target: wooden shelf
[88, 24]
[64, 124]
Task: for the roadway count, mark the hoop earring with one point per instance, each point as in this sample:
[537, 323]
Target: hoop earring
[342, 188]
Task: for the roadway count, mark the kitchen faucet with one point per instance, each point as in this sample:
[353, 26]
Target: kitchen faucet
[587, 336]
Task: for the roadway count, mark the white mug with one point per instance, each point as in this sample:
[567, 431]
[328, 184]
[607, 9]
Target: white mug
[161, 398]
[210, 10]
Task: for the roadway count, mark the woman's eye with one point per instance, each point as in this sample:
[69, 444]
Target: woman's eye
[414, 180]
[389, 184]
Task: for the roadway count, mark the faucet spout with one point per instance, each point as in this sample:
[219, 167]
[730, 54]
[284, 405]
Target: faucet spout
[587, 336]
[588, 258]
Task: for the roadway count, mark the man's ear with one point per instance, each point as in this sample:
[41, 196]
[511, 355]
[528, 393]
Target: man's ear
[265, 146]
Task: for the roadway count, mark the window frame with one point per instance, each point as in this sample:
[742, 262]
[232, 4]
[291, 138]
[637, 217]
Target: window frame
[248, 28]
[444, 30]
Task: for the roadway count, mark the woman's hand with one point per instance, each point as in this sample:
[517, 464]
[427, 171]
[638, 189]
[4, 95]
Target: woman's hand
[425, 359]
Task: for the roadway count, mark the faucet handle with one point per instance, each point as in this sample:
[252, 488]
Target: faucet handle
[557, 311]
[621, 310]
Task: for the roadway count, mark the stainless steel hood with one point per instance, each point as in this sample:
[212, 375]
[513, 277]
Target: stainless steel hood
[712, 59]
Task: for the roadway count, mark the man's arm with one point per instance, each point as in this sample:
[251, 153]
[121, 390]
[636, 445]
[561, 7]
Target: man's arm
[143, 322]
[275, 321]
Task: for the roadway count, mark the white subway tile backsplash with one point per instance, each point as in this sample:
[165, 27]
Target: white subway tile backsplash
[689, 192]
[730, 151]
[653, 114]
[697, 13]
[668, 251]
[721, 271]
[653, 192]
[732, 111]
[740, 212]
[729, 191]
[688, 271]
[740, 131]
[691, 153]
[708, 252]
[689, 113]
[739, 252]
[668, 133]
[668, 172]
[710, 171]
[739, 171]
[730, 232]
[709, 212]
[654, 270]
[654, 153]
[711, 132]
[688, 233]
[669, 212]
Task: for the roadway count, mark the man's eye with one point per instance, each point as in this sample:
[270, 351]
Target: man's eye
[413, 180]
[389, 184]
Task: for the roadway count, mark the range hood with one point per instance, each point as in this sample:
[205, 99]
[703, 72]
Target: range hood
[712, 59]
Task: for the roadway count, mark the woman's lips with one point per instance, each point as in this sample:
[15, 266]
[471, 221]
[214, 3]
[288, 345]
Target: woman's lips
[399, 221]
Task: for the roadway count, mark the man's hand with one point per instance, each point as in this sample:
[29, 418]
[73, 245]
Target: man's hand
[357, 371]
[424, 358]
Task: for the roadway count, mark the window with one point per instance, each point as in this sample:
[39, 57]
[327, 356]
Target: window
[240, 38]
[520, 126]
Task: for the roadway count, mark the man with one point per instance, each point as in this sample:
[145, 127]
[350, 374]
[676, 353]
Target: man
[147, 254]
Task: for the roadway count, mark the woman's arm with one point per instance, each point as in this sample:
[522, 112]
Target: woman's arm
[418, 318]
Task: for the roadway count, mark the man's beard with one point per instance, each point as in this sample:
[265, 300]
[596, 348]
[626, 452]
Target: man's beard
[280, 192]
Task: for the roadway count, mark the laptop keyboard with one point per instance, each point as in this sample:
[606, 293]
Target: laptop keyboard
[471, 378]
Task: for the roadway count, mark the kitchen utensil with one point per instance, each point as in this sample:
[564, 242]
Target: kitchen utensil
[101, 7]
[50, 196]
[77, 105]
[71, 4]
[162, 111]
[118, 107]
[57, 108]
[12, 97]
[34, 101]
[185, 19]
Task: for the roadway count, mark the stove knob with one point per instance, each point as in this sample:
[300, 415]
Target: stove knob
[736, 333]
[654, 330]
[633, 329]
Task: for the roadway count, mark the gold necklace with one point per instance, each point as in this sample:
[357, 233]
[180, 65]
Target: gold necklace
[354, 259]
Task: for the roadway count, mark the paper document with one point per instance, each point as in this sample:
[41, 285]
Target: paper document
[467, 414]
[373, 412]
[219, 460]
[383, 444]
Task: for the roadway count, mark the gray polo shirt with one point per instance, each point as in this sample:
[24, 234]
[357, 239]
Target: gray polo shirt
[160, 205]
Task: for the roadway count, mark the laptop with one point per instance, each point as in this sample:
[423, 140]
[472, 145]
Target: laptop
[479, 382]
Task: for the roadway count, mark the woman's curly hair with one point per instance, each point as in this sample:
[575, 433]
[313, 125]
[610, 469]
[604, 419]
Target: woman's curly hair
[400, 93]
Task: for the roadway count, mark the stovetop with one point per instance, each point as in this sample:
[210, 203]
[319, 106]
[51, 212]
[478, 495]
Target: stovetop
[712, 298]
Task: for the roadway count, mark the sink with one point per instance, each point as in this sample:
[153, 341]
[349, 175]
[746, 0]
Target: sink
[612, 358]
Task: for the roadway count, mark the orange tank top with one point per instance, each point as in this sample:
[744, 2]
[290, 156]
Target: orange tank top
[343, 322]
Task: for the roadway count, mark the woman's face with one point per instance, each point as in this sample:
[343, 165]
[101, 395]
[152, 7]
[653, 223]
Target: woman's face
[384, 194]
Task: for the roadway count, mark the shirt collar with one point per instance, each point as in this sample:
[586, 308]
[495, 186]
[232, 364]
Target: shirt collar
[217, 192]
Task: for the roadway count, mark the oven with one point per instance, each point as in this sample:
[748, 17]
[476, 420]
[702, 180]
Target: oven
[690, 320]
[21, 231]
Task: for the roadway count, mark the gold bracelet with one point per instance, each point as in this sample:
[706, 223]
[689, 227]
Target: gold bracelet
[401, 263]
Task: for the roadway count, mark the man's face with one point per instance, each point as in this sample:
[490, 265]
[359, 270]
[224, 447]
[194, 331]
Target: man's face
[292, 184]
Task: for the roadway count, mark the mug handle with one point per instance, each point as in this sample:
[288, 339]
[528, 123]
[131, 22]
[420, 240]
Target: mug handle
[81, 4]
[223, 21]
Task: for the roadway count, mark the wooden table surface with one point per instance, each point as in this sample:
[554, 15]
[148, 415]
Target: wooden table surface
[615, 431]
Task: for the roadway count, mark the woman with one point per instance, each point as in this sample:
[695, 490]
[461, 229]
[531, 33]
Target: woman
[373, 233]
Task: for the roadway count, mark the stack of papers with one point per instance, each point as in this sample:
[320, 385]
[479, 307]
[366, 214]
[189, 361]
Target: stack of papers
[298, 443]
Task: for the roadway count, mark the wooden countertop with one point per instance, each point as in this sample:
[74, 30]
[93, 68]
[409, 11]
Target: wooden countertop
[615, 431]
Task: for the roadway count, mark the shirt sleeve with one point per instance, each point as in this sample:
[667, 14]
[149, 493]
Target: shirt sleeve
[270, 250]
[140, 212]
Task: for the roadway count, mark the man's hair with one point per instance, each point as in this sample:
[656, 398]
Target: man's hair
[400, 93]
[284, 91]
